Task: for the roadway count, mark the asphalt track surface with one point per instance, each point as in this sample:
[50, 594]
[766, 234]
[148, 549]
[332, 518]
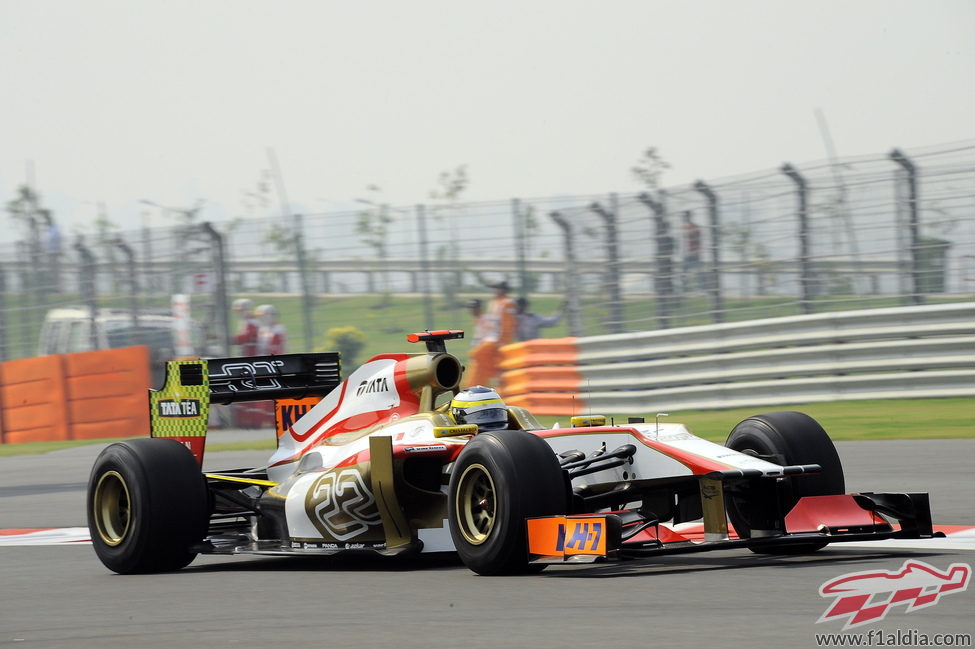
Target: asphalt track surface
[61, 596]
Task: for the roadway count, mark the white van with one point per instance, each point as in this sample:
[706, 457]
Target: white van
[69, 329]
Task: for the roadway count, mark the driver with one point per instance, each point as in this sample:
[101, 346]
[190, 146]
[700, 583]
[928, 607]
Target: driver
[479, 405]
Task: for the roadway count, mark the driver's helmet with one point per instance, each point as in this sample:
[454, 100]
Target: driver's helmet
[479, 405]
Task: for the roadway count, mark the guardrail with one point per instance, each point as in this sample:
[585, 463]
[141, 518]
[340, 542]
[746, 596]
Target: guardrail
[904, 352]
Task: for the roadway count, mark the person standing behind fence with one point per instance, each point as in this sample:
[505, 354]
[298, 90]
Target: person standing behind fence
[272, 336]
[500, 323]
[530, 324]
[692, 251]
[480, 321]
[247, 331]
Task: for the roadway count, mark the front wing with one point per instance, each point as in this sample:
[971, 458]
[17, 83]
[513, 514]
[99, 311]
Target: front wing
[815, 520]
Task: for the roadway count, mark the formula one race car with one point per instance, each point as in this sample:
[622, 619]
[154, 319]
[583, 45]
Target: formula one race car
[373, 464]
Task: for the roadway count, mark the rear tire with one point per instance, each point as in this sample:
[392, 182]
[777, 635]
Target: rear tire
[147, 506]
[500, 479]
[786, 438]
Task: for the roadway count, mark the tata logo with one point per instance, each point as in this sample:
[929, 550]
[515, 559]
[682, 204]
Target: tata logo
[866, 597]
[184, 408]
[581, 536]
[375, 385]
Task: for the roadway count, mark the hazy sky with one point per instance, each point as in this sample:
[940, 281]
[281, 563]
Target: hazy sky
[177, 101]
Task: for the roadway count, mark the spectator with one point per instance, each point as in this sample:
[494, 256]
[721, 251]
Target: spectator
[247, 331]
[480, 321]
[530, 324]
[498, 325]
[272, 337]
[692, 251]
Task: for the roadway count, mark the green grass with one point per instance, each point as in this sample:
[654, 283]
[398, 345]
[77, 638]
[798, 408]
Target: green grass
[385, 324]
[844, 421]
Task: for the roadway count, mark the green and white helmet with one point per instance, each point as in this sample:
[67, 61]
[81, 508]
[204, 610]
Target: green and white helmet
[479, 405]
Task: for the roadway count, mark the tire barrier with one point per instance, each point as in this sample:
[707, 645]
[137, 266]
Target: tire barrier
[86, 395]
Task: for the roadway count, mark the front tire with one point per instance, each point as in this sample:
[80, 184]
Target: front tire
[786, 438]
[147, 506]
[500, 479]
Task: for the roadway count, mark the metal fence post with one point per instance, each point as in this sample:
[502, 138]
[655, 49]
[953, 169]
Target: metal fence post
[148, 276]
[306, 296]
[421, 225]
[24, 308]
[663, 277]
[521, 247]
[571, 287]
[612, 275]
[714, 274]
[133, 281]
[220, 288]
[913, 224]
[805, 270]
[88, 289]
[3, 316]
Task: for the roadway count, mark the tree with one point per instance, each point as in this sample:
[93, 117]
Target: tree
[452, 185]
[107, 232]
[650, 168]
[373, 228]
[347, 341]
[25, 209]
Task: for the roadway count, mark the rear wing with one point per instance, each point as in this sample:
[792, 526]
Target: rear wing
[181, 409]
[259, 378]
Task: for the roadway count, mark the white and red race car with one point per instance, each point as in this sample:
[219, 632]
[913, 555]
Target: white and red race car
[374, 464]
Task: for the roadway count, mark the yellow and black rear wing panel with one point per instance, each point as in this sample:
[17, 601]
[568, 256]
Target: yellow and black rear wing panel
[181, 409]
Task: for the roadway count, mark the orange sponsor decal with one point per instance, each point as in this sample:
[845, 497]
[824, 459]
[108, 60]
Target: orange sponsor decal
[288, 411]
[565, 536]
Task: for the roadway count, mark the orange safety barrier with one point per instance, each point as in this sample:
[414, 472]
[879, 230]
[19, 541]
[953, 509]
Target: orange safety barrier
[108, 393]
[541, 351]
[548, 403]
[542, 376]
[541, 379]
[32, 396]
[86, 395]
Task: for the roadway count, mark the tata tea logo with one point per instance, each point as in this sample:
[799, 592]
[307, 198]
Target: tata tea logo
[184, 408]
[867, 597]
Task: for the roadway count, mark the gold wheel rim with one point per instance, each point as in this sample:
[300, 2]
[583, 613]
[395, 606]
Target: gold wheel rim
[112, 508]
[476, 504]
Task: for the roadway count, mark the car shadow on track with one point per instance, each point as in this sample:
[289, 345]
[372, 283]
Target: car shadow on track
[334, 563]
[661, 565]
[676, 565]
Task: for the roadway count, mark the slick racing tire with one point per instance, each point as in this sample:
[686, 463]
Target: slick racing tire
[500, 479]
[786, 438]
[147, 506]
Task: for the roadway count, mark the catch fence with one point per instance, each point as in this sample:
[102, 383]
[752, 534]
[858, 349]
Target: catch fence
[872, 231]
